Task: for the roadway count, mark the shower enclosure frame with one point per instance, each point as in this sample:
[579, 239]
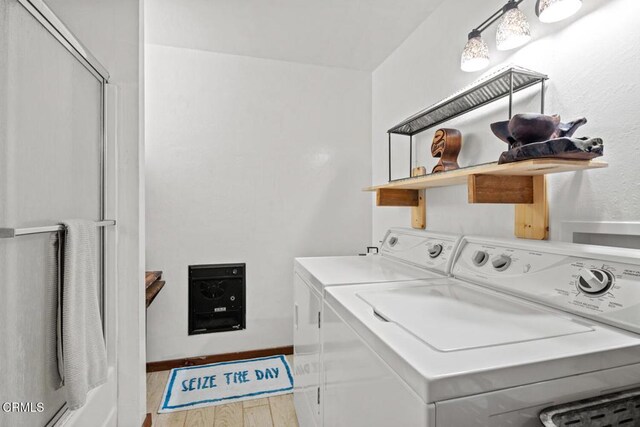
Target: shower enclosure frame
[55, 27]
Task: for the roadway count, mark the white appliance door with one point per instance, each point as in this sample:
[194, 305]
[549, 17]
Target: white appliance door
[453, 316]
[306, 352]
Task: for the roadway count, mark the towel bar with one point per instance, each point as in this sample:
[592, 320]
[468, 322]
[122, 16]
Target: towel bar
[8, 233]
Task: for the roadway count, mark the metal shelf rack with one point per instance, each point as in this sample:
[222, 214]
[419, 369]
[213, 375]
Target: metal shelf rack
[502, 83]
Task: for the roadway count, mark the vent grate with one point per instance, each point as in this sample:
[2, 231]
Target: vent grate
[617, 409]
[216, 298]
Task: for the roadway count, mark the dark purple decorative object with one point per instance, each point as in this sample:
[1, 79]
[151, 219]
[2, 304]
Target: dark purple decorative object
[501, 130]
[568, 129]
[559, 148]
[532, 136]
[528, 128]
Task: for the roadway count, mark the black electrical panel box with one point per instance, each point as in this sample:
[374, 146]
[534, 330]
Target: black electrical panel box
[216, 298]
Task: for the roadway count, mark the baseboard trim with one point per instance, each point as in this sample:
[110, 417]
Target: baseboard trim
[164, 365]
[147, 421]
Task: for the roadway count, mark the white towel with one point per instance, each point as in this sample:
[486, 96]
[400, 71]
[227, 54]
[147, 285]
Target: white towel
[82, 356]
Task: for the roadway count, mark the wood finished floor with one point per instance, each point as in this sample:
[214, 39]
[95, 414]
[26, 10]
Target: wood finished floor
[277, 411]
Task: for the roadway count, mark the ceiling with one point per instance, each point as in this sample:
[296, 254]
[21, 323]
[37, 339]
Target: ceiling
[356, 34]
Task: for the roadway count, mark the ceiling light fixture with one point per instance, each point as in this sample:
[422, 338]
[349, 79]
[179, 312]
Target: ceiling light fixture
[475, 55]
[513, 29]
[556, 10]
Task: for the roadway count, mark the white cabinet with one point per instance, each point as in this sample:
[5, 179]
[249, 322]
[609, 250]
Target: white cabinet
[306, 352]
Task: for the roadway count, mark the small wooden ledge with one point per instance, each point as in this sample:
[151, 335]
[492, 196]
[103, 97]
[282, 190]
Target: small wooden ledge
[150, 277]
[153, 285]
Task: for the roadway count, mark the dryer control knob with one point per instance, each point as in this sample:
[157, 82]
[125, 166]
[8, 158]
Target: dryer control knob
[501, 262]
[435, 250]
[594, 282]
[480, 258]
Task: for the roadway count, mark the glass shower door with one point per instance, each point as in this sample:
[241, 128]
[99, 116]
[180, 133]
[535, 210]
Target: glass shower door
[51, 145]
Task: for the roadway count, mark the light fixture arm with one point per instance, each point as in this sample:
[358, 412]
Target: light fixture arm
[493, 18]
[538, 8]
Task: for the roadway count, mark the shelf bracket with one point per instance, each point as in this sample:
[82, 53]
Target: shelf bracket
[532, 220]
[419, 213]
[415, 199]
[500, 189]
[394, 197]
[528, 193]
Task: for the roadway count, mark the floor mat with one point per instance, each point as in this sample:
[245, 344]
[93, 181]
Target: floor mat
[226, 382]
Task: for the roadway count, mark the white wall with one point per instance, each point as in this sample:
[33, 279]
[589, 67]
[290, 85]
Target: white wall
[112, 31]
[334, 33]
[249, 160]
[592, 60]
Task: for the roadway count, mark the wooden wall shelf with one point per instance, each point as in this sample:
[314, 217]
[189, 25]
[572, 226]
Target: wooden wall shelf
[522, 183]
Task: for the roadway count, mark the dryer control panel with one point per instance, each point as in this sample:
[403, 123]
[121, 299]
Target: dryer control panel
[424, 249]
[596, 282]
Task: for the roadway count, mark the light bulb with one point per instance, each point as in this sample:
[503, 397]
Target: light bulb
[513, 29]
[475, 55]
[557, 10]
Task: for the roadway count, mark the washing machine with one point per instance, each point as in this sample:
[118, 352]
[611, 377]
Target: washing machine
[519, 327]
[405, 255]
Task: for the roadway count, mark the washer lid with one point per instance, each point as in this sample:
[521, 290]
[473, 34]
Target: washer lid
[451, 318]
[321, 272]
